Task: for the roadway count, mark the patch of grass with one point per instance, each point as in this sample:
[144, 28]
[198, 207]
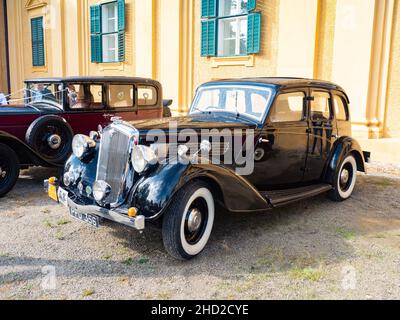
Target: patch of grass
[383, 182]
[164, 295]
[107, 257]
[48, 224]
[345, 233]
[46, 211]
[4, 254]
[63, 222]
[309, 274]
[223, 285]
[128, 262]
[380, 236]
[88, 292]
[143, 260]
[60, 236]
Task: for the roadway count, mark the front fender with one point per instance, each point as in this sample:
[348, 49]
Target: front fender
[341, 148]
[26, 155]
[155, 191]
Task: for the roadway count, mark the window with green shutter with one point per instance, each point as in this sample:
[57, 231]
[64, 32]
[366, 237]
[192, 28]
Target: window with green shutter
[230, 28]
[107, 27]
[37, 35]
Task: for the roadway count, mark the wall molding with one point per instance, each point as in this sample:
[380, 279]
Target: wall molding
[243, 61]
[34, 4]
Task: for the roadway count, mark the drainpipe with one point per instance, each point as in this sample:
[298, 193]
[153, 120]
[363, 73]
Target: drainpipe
[7, 45]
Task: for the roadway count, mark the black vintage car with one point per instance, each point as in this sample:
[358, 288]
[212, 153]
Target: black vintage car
[249, 145]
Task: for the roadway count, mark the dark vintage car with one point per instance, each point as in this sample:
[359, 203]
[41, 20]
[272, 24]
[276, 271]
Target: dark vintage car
[295, 135]
[55, 109]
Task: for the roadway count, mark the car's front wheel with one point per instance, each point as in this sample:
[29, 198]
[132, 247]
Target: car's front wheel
[9, 169]
[345, 180]
[188, 221]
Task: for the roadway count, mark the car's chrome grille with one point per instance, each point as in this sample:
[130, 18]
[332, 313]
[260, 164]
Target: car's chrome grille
[113, 160]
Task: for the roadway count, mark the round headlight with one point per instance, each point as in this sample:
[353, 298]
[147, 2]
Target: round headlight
[69, 178]
[101, 190]
[141, 157]
[81, 144]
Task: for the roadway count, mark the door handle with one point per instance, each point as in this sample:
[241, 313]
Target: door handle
[263, 140]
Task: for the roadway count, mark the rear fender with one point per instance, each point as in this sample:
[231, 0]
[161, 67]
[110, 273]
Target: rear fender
[27, 156]
[343, 147]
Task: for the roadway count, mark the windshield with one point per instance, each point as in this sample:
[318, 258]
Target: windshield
[44, 92]
[240, 100]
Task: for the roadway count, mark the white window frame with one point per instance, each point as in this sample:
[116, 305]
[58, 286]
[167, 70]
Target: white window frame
[107, 57]
[238, 17]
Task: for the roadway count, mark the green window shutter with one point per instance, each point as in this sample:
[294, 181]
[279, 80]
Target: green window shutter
[37, 33]
[251, 5]
[96, 45]
[208, 8]
[208, 38]
[121, 15]
[254, 33]
[121, 29]
[121, 46]
[95, 19]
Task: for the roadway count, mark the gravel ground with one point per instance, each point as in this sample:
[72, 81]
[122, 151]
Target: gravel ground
[315, 249]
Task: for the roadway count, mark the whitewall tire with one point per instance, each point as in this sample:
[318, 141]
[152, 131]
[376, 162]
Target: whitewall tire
[188, 221]
[345, 180]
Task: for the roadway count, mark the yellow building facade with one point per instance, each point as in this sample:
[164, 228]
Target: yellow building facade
[355, 43]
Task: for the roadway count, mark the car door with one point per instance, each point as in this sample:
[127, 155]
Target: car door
[86, 107]
[280, 152]
[321, 133]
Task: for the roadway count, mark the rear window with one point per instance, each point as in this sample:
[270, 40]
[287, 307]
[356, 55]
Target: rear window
[340, 108]
[147, 96]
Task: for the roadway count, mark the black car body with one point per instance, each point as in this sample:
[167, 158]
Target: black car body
[301, 146]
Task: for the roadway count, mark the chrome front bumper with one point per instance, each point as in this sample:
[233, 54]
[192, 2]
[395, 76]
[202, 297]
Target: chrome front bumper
[137, 223]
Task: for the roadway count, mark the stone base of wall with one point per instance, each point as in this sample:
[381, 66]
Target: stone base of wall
[382, 150]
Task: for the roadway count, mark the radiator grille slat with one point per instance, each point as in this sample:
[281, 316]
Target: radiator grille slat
[113, 161]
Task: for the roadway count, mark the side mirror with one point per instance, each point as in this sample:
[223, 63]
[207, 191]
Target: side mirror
[167, 103]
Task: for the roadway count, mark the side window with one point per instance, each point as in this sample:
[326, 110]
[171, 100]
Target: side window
[320, 109]
[85, 96]
[121, 96]
[340, 109]
[288, 107]
[147, 96]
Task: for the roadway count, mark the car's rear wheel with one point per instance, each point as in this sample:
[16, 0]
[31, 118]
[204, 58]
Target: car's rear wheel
[188, 221]
[9, 169]
[345, 180]
[51, 136]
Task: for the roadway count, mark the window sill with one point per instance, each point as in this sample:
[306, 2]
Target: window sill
[105, 66]
[37, 69]
[245, 61]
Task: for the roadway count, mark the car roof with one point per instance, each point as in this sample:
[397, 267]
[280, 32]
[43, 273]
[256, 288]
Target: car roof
[283, 82]
[96, 79]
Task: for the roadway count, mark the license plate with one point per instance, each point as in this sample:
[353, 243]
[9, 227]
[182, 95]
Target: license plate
[62, 196]
[52, 192]
[87, 218]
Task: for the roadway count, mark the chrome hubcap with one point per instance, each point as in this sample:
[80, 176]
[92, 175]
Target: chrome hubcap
[2, 173]
[194, 220]
[54, 141]
[344, 176]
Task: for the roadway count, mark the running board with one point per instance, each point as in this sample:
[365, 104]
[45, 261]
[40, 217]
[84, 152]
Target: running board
[279, 198]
